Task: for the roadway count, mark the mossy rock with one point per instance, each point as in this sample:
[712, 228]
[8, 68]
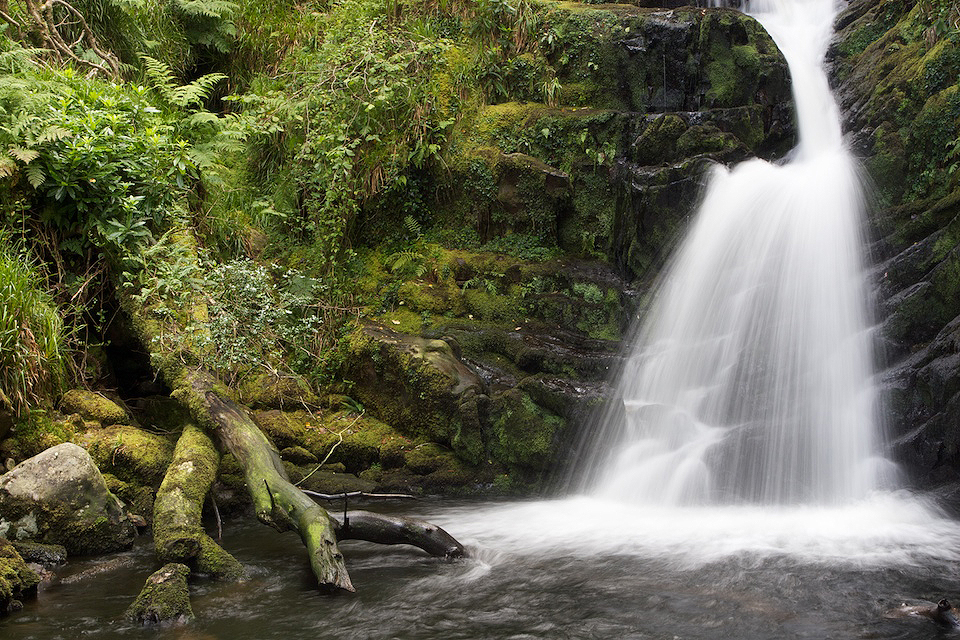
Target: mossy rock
[265, 390]
[429, 457]
[327, 481]
[137, 498]
[130, 453]
[93, 406]
[59, 497]
[284, 428]
[523, 432]
[297, 455]
[36, 433]
[411, 383]
[46, 555]
[165, 598]
[17, 580]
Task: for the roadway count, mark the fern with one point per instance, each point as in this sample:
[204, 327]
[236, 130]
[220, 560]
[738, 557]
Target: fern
[26, 156]
[7, 167]
[407, 261]
[208, 8]
[36, 176]
[412, 226]
[163, 81]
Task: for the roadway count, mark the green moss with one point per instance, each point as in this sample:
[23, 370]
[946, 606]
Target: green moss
[523, 432]
[165, 597]
[261, 390]
[137, 498]
[130, 453]
[16, 579]
[93, 406]
[427, 458]
[36, 432]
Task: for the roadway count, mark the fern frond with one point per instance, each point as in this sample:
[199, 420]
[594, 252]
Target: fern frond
[413, 227]
[7, 167]
[26, 156]
[195, 92]
[161, 77]
[200, 118]
[53, 133]
[208, 8]
[36, 176]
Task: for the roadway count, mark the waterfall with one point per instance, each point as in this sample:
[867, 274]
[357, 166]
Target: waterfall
[750, 379]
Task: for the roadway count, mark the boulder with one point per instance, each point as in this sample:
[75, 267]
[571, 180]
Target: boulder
[59, 497]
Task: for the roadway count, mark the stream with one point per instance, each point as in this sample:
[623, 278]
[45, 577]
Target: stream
[574, 568]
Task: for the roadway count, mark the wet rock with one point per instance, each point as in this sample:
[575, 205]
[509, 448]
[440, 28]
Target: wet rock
[165, 598]
[59, 497]
[46, 555]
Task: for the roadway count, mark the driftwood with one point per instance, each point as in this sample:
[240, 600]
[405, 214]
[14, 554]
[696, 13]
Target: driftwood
[178, 534]
[373, 527]
[941, 613]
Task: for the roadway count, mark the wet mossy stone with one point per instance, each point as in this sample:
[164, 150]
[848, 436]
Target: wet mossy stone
[131, 454]
[46, 555]
[59, 497]
[93, 406]
[411, 383]
[137, 498]
[427, 458]
[284, 428]
[16, 578]
[165, 598]
[523, 432]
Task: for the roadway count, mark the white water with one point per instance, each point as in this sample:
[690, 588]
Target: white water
[751, 381]
[748, 425]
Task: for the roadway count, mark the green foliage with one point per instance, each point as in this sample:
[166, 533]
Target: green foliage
[32, 355]
[185, 96]
[97, 162]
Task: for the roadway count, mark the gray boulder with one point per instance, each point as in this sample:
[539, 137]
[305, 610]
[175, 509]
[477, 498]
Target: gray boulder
[59, 497]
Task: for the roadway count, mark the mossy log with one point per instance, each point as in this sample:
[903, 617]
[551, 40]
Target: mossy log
[178, 533]
[373, 527]
[276, 501]
[165, 598]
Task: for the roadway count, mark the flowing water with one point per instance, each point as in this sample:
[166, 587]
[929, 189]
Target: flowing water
[740, 493]
[751, 379]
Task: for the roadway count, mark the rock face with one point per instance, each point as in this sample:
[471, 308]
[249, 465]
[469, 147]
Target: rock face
[502, 354]
[897, 79]
[59, 497]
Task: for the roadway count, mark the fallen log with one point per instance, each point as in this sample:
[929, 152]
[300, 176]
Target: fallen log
[276, 501]
[178, 534]
[373, 527]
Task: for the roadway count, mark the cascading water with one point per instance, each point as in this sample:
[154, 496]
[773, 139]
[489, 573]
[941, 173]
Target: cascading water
[751, 378]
